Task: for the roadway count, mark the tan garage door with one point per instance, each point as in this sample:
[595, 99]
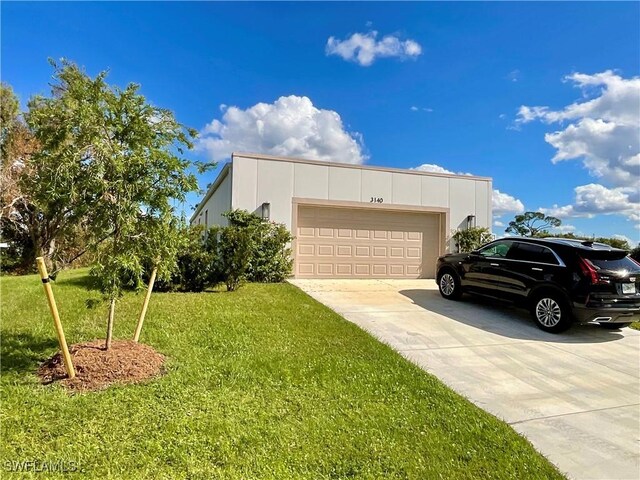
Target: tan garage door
[367, 243]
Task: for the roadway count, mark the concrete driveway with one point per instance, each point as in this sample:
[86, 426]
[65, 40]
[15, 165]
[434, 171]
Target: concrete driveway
[575, 396]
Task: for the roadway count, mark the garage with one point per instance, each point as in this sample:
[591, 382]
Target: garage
[365, 243]
[351, 221]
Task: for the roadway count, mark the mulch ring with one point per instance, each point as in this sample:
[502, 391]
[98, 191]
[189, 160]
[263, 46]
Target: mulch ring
[96, 368]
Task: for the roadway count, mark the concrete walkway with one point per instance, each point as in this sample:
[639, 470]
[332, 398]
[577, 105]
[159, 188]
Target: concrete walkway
[575, 396]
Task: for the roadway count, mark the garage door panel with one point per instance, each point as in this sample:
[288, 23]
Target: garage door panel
[306, 268]
[344, 269]
[325, 269]
[380, 270]
[362, 269]
[305, 249]
[306, 232]
[343, 242]
[396, 270]
[325, 250]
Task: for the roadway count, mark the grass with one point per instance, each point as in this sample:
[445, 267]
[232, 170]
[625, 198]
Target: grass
[262, 383]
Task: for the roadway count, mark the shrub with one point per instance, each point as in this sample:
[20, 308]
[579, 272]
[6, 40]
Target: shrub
[471, 238]
[197, 265]
[270, 255]
[234, 255]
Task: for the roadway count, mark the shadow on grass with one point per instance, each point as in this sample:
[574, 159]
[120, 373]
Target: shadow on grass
[23, 353]
[84, 281]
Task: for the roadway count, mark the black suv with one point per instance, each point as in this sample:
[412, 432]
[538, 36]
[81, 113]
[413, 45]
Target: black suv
[559, 280]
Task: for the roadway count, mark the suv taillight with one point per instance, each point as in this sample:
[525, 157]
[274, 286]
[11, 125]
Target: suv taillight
[591, 273]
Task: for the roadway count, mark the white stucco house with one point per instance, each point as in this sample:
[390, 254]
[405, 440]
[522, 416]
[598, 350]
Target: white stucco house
[351, 221]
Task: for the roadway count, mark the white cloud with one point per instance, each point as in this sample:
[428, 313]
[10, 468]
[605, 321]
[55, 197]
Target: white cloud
[498, 223]
[501, 202]
[291, 126]
[604, 131]
[433, 168]
[364, 48]
[414, 108]
[424, 109]
[594, 199]
[564, 229]
[505, 203]
[514, 75]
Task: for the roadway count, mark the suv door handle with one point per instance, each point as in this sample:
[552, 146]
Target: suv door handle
[494, 264]
[536, 269]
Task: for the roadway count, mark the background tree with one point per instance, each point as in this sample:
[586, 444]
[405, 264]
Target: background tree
[532, 224]
[18, 221]
[111, 161]
[614, 242]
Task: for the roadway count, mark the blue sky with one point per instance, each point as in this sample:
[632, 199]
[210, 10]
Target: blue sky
[448, 86]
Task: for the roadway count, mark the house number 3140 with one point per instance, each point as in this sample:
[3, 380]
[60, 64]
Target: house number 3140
[376, 200]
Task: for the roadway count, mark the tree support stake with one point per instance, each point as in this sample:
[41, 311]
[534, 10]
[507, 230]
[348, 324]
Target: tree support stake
[42, 268]
[152, 280]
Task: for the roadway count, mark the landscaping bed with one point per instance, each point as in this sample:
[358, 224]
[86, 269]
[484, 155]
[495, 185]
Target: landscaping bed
[263, 382]
[96, 368]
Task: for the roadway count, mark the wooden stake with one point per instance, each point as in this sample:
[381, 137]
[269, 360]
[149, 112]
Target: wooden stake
[42, 268]
[152, 280]
[112, 311]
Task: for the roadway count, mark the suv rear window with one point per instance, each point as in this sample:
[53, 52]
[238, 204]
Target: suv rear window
[614, 264]
[532, 253]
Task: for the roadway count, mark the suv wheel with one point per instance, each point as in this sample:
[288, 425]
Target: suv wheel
[449, 285]
[551, 312]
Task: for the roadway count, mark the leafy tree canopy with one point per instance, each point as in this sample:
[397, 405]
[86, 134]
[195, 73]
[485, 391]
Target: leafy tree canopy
[532, 224]
[111, 160]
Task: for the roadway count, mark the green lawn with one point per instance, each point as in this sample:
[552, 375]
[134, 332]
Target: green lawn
[262, 383]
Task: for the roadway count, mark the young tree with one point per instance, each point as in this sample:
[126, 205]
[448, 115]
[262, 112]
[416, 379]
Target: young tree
[110, 159]
[532, 224]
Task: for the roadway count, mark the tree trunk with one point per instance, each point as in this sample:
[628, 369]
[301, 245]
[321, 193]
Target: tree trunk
[112, 311]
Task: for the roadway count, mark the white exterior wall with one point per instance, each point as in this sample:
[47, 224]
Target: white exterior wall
[218, 203]
[258, 180]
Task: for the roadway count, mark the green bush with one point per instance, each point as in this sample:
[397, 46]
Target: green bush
[234, 255]
[471, 238]
[269, 253]
[197, 263]
[248, 249]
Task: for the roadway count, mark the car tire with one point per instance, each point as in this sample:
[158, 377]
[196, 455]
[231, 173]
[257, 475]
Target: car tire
[449, 284]
[615, 326]
[551, 312]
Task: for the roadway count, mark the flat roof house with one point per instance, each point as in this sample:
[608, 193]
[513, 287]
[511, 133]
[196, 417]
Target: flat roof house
[351, 221]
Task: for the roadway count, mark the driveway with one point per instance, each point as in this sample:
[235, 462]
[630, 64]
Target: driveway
[575, 396]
